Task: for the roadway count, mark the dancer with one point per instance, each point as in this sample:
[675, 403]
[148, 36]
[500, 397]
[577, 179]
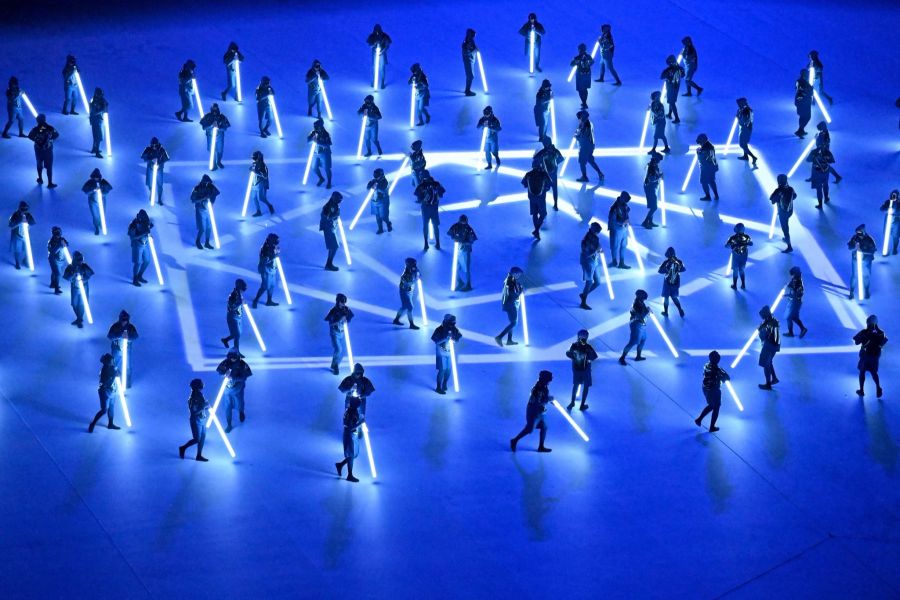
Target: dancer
[870, 341]
[582, 355]
[199, 413]
[534, 412]
[338, 317]
[769, 333]
[590, 262]
[462, 233]
[638, 326]
[713, 378]
[328, 219]
[234, 315]
[237, 371]
[671, 269]
[267, 267]
[139, 233]
[510, 300]
[408, 284]
[794, 296]
[443, 336]
[783, 198]
[107, 390]
[739, 243]
[121, 336]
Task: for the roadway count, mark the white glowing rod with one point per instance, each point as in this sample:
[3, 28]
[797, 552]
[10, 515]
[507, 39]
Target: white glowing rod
[365, 431]
[84, 100]
[377, 66]
[125, 411]
[887, 227]
[635, 248]
[753, 335]
[772, 224]
[453, 366]
[430, 231]
[562, 170]
[275, 114]
[531, 52]
[644, 130]
[553, 120]
[690, 172]
[422, 301]
[362, 133]
[609, 288]
[30, 256]
[662, 200]
[362, 207]
[456, 258]
[484, 132]
[325, 98]
[212, 148]
[812, 79]
[344, 241]
[153, 255]
[812, 74]
[29, 105]
[859, 275]
[805, 153]
[484, 85]
[250, 181]
[197, 96]
[571, 421]
[215, 420]
[734, 395]
[593, 54]
[237, 77]
[309, 160]
[153, 183]
[259, 340]
[665, 337]
[106, 130]
[81, 290]
[124, 373]
[398, 174]
[284, 285]
[349, 346]
[525, 319]
[102, 211]
[412, 105]
[578, 391]
[212, 221]
[730, 136]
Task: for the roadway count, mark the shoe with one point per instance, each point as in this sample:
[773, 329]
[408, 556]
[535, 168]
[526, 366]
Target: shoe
[512, 444]
[351, 478]
[396, 322]
[339, 467]
[582, 179]
[699, 91]
[437, 245]
[270, 303]
[198, 244]
[141, 279]
[440, 391]
[134, 282]
[380, 231]
[470, 93]
[425, 247]
[743, 158]
[223, 96]
[544, 449]
[499, 341]
[201, 459]
[320, 182]
[734, 286]
[258, 213]
[51, 185]
[666, 150]
[803, 332]
[79, 324]
[764, 386]
[622, 361]
[800, 133]
[98, 155]
[39, 181]
[680, 312]
[57, 291]
[6, 136]
[96, 231]
[208, 246]
[72, 112]
[390, 226]
[536, 234]
[583, 407]
[181, 450]
[511, 343]
[754, 161]
[228, 428]
[224, 342]
[712, 429]
[427, 118]
[91, 427]
[335, 371]
[255, 304]
[788, 250]
[599, 80]
[687, 95]
[413, 326]
[860, 393]
[775, 380]
[639, 358]
[488, 168]
[665, 313]
[879, 392]
[624, 266]
[705, 198]
[618, 83]
[331, 268]
[789, 334]
[18, 267]
[271, 209]
[697, 422]
[113, 426]
[367, 154]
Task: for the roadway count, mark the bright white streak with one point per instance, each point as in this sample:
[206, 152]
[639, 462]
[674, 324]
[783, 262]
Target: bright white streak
[484, 84]
[746, 346]
[525, 319]
[772, 224]
[553, 121]
[29, 105]
[609, 287]
[215, 420]
[27, 235]
[456, 258]
[365, 431]
[344, 241]
[212, 221]
[422, 301]
[562, 170]
[362, 207]
[453, 366]
[124, 373]
[349, 346]
[859, 275]
[284, 285]
[259, 340]
[325, 98]
[362, 133]
[197, 96]
[665, 337]
[734, 395]
[275, 114]
[106, 129]
[821, 107]
[309, 159]
[153, 183]
[730, 137]
[212, 148]
[102, 211]
[377, 60]
[84, 100]
[484, 132]
[125, 411]
[641, 146]
[662, 200]
[635, 248]
[690, 172]
[247, 194]
[237, 77]
[153, 255]
[531, 51]
[571, 421]
[887, 227]
[805, 153]
[412, 105]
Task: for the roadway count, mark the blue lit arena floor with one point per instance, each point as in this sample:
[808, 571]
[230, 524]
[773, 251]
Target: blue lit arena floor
[797, 496]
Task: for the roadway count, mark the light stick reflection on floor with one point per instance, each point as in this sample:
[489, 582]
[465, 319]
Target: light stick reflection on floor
[102, 210]
[275, 114]
[212, 148]
[365, 431]
[325, 98]
[453, 368]
[887, 227]
[453, 268]
[215, 420]
[106, 129]
[753, 335]
[284, 285]
[212, 222]
[197, 96]
[525, 319]
[570, 420]
[665, 337]
[309, 160]
[734, 395]
[250, 181]
[729, 265]
[27, 235]
[153, 183]
[690, 172]
[127, 413]
[730, 137]
[609, 287]
[344, 241]
[422, 301]
[30, 106]
[84, 100]
[484, 85]
[259, 340]
[153, 255]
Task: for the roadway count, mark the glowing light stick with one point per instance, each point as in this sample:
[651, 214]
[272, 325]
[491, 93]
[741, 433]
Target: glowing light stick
[275, 114]
[812, 75]
[159, 275]
[362, 207]
[197, 96]
[124, 373]
[153, 184]
[484, 85]
[644, 129]
[325, 98]
[237, 77]
[362, 133]
[571, 421]
[531, 51]
[212, 148]
[28, 104]
[398, 174]
[734, 395]
[606, 276]
[212, 221]
[259, 340]
[887, 227]
[81, 290]
[746, 347]
[422, 301]
[453, 366]
[525, 319]
[349, 346]
[309, 159]
[456, 258]
[84, 100]
[284, 285]
[821, 107]
[730, 137]
[578, 391]
[484, 132]
[377, 66]
[662, 200]
[102, 210]
[553, 120]
[365, 430]
[593, 54]
[772, 224]
[806, 152]
[215, 420]
[690, 172]
[412, 105]
[635, 248]
[121, 388]
[106, 130]
[344, 241]
[665, 337]
[430, 231]
[250, 181]
[28, 254]
[859, 275]
[562, 170]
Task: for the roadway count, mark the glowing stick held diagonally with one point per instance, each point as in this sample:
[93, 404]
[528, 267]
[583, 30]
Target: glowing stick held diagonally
[734, 395]
[30, 106]
[887, 227]
[250, 181]
[570, 420]
[665, 337]
[215, 420]
[730, 137]
[275, 114]
[365, 431]
[362, 207]
[153, 255]
[212, 222]
[484, 84]
[84, 100]
[632, 241]
[349, 346]
[562, 170]
[121, 389]
[284, 285]
[525, 319]
[259, 340]
[800, 159]
[746, 346]
[344, 241]
[690, 172]
[422, 301]
[27, 235]
[309, 160]
[609, 287]
[325, 98]
[197, 97]
[593, 54]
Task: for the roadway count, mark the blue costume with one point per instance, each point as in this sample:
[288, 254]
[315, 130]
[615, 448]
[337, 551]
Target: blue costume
[95, 187]
[107, 391]
[99, 107]
[379, 41]
[381, 199]
[672, 75]
[739, 244]
[357, 388]
[769, 334]
[43, 136]
[259, 189]
[744, 118]
[155, 154]
[469, 56]
[462, 233]
[821, 159]
[492, 140]
[713, 378]
[17, 234]
[590, 262]
[237, 372]
[706, 160]
[607, 50]
[582, 63]
[13, 107]
[652, 177]
[314, 82]
[803, 99]
[428, 195]
[417, 163]
[337, 317]
[550, 158]
[232, 56]
[542, 101]
[510, 300]
[234, 315]
[199, 414]
[203, 195]
[444, 334]
[658, 117]
[419, 81]
[582, 355]
[823, 140]
[618, 230]
[891, 207]
[870, 341]
[56, 256]
[328, 225]
[408, 283]
[671, 269]
[689, 54]
[70, 86]
[264, 112]
[534, 412]
[783, 198]
[139, 234]
[861, 243]
[267, 269]
[584, 134]
[322, 157]
[78, 273]
[118, 332]
[637, 325]
[186, 91]
[353, 422]
[370, 133]
[536, 183]
[794, 296]
[529, 29]
[215, 121]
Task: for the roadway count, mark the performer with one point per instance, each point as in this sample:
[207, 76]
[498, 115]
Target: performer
[234, 315]
[237, 372]
[264, 111]
[672, 75]
[328, 220]
[419, 80]
[381, 199]
[99, 107]
[510, 301]
[490, 122]
[870, 341]
[462, 233]
[652, 177]
[56, 255]
[713, 378]
[314, 81]
[689, 54]
[267, 269]
[373, 115]
[93, 187]
[638, 326]
[203, 195]
[259, 190]
[417, 163]
[444, 334]
[745, 123]
[185, 91]
[17, 235]
[428, 195]
[526, 31]
[671, 269]
[550, 158]
[658, 116]
[353, 422]
[803, 99]
[338, 317]
[618, 224]
[823, 140]
[469, 56]
[537, 182]
[706, 159]
[43, 135]
[120, 333]
[408, 285]
[199, 409]
[590, 262]
[739, 243]
[816, 65]
[892, 207]
[231, 57]
[139, 233]
[862, 243]
[357, 388]
[534, 412]
[585, 136]
[582, 63]
[14, 108]
[607, 49]
[78, 271]
[107, 390]
[70, 86]
[794, 295]
[821, 159]
[379, 42]
[769, 333]
[215, 120]
[155, 154]
[322, 139]
[783, 198]
[542, 100]
[582, 355]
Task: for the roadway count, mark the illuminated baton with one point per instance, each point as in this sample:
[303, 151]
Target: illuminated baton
[662, 200]
[153, 184]
[362, 208]
[606, 276]
[344, 241]
[562, 170]
[481, 71]
[734, 395]
[730, 137]
[531, 52]
[106, 130]
[422, 301]
[456, 258]
[159, 275]
[772, 224]
[124, 373]
[81, 290]
[635, 248]
[124, 402]
[309, 159]
[812, 75]
[593, 54]
[859, 275]
[29, 105]
[525, 319]
[362, 133]
[887, 227]
[377, 66]
[398, 174]
[644, 130]
[259, 340]
[84, 100]
[746, 347]
[806, 151]
[102, 211]
[212, 148]
[365, 430]
[349, 346]
[212, 221]
[453, 366]
[27, 236]
[284, 285]
[197, 96]
[484, 131]
[728, 266]
[275, 114]
[821, 106]
[325, 98]
[571, 421]
[553, 120]
[412, 105]
[215, 420]
[247, 193]
[689, 173]
[664, 336]
[237, 77]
